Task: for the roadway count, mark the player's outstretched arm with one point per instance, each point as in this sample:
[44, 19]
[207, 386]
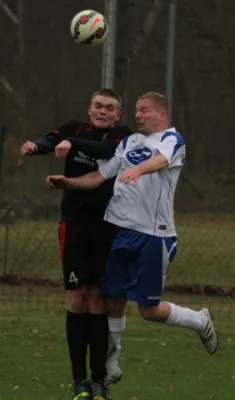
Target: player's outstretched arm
[88, 181]
[41, 146]
[46, 144]
[99, 150]
[170, 152]
[154, 164]
[103, 150]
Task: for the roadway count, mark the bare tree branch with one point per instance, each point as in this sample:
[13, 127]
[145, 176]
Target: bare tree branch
[146, 28]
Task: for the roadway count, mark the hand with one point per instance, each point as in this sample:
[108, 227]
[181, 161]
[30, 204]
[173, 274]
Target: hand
[28, 148]
[131, 174]
[62, 149]
[57, 181]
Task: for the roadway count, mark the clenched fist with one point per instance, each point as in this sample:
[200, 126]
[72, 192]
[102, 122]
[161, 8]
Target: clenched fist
[62, 149]
[57, 181]
[28, 148]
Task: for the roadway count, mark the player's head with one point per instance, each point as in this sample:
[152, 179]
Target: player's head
[151, 113]
[105, 108]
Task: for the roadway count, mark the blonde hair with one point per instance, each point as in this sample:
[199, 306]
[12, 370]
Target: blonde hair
[159, 99]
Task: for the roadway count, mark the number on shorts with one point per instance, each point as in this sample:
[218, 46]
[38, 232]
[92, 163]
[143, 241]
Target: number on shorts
[73, 278]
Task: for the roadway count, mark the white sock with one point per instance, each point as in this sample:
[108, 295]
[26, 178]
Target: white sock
[185, 317]
[116, 327]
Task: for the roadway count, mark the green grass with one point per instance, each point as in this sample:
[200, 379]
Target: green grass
[205, 255]
[158, 362]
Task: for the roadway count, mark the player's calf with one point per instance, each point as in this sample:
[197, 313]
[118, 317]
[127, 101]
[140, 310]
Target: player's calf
[158, 313]
[174, 315]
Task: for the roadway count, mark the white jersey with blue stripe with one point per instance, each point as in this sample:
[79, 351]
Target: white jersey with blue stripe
[147, 207]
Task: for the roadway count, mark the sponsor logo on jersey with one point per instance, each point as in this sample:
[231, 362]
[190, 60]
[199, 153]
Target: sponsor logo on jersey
[138, 156]
[84, 159]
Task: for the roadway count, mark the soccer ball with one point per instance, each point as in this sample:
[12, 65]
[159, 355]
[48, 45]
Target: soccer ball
[89, 27]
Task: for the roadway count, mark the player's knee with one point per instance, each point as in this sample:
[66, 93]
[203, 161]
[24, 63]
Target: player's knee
[78, 300]
[115, 307]
[149, 314]
[95, 301]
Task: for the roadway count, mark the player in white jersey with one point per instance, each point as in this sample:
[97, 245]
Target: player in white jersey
[147, 166]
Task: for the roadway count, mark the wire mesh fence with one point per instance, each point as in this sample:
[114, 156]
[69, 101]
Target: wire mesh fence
[46, 80]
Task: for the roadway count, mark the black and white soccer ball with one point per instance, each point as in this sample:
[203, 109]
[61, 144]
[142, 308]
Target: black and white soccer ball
[89, 27]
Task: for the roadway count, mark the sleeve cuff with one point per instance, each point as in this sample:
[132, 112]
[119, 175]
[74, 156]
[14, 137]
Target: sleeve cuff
[103, 171]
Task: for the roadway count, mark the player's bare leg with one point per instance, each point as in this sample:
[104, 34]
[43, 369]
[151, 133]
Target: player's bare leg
[200, 321]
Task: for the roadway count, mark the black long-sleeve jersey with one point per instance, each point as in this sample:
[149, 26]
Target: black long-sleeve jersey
[88, 145]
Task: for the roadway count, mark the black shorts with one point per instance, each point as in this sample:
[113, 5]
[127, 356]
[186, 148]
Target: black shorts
[84, 249]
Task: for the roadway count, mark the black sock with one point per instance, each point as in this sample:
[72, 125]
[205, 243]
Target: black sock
[76, 327]
[98, 335]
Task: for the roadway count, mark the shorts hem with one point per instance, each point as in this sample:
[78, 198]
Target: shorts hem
[105, 293]
[144, 303]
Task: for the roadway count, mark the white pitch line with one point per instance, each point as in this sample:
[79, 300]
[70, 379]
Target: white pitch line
[145, 340]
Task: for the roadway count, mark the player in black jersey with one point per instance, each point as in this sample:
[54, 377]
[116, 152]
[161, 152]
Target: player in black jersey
[85, 240]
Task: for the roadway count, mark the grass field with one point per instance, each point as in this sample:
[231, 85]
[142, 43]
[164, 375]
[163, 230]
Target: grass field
[158, 362]
[205, 255]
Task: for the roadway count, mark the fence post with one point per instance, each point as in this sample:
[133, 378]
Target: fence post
[109, 49]
[2, 138]
[170, 56]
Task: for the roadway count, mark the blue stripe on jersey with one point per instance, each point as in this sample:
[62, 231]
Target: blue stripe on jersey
[124, 142]
[179, 140]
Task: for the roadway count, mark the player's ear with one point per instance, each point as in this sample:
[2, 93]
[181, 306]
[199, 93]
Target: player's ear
[163, 115]
[119, 113]
[89, 110]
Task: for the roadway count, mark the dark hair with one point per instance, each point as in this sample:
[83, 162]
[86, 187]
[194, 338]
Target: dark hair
[159, 99]
[108, 93]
